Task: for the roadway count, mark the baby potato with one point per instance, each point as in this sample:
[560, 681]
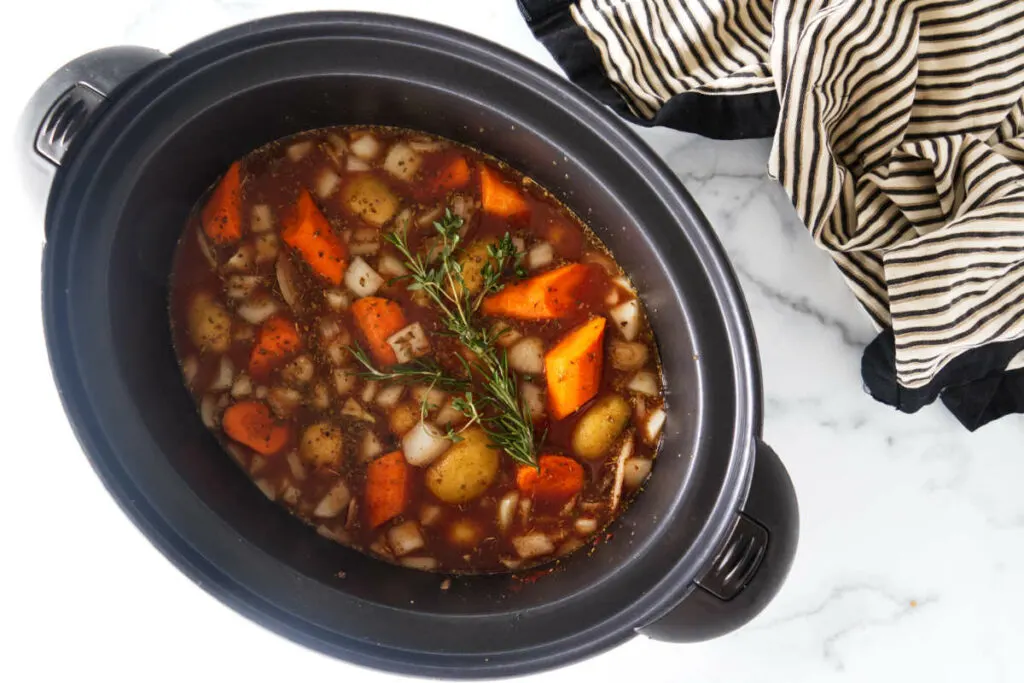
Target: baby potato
[370, 199]
[473, 260]
[209, 324]
[403, 417]
[600, 426]
[466, 470]
[321, 444]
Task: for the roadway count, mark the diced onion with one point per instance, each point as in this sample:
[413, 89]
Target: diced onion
[241, 286]
[337, 299]
[423, 444]
[298, 469]
[625, 453]
[370, 447]
[334, 502]
[409, 343]
[644, 383]
[655, 423]
[299, 150]
[242, 260]
[432, 396]
[266, 248]
[626, 317]
[257, 311]
[601, 260]
[389, 396]
[320, 400]
[449, 415]
[533, 545]
[208, 411]
[369, 391]
[628, 355]
[354, 165]
[525, 504]
[586, 526]
[540, 256]
[336, 535]
[464, 207]
[345, 381]
[300, 370]
[624, 284]
[204, 247]
[338, 144]
[507, 510]
[362, 279]
[426, 145]
[533, 398]
[327, 183]
[262, 219]
[520, 244]
[390, 267]
[402, 161]
[353, 409]
[260, 392]
[506, 334]
[242, 386]
[267, 488]
[430, 514]
[286, 280]
[225, 375]
[637, 470]
[510, 563]
[426, 564]
[405, 538]
[570, 545]
[353, 512]
[527, 356]
[365, 147]
[189, 368]
[427, 218]
[283, 401]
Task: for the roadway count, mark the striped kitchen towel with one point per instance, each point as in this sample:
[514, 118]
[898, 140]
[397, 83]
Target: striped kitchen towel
[898, 131]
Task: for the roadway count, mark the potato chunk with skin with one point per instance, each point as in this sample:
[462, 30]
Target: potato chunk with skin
[370, 199]
[403, 418]
[473, 260]
[209, 324]
[322, 444]
[600, 426]
[466, 470]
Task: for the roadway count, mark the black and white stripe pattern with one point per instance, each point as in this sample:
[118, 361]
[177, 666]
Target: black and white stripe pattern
[900, 141]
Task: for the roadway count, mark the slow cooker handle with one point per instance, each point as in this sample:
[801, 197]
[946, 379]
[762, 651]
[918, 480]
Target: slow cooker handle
[61, 107]
[750, 567]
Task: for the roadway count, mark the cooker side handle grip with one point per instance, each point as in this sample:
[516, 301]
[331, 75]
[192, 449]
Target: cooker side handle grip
[61, 106]
[751, 566]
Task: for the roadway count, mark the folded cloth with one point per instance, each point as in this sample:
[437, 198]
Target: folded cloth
[898, 132]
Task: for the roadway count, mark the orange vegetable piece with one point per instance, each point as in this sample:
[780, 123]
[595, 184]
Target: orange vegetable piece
[387, 481]
[452, 177]
[559, 479]
[573, 367]
[543, 297]
[499, 198]
[251, 424]
[221, 217]
[308, 232]
[378, 319]
[277, 340]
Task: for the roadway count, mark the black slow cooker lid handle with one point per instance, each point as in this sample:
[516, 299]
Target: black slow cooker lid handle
[62, 106]
[749, 568]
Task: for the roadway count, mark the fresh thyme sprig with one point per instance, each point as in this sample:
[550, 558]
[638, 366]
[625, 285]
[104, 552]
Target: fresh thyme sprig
[415, 372]
[439, 277]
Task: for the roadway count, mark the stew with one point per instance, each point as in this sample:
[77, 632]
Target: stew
[416, 349]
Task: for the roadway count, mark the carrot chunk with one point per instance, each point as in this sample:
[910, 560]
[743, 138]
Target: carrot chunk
[573, 368]
[378, 319]
[387, 480]
[559, 479]
[222, 215]
[451, 177]
[308, 232]
[497, 197]
[251, 424]
[544, 297]
[277, 340]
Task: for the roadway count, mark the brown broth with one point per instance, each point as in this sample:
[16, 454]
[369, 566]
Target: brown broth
[273, 179]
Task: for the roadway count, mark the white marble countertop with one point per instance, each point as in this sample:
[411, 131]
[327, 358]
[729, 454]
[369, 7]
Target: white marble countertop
[912, 529]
